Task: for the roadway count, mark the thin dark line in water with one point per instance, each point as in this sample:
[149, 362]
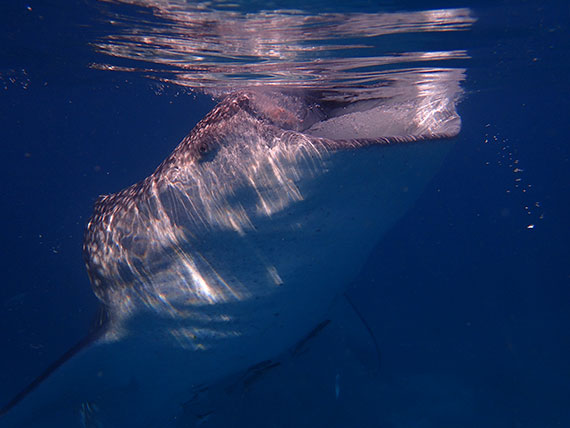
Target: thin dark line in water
[99, 327]
[366, 325]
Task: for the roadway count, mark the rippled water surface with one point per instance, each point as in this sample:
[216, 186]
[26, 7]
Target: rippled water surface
[200, 46]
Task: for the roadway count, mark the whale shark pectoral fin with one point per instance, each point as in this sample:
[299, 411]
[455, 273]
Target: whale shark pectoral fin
[97, 329]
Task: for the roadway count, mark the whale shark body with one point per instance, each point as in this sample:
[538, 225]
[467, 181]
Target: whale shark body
[234, 248]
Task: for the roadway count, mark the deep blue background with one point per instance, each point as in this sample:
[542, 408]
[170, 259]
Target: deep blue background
[460, 287]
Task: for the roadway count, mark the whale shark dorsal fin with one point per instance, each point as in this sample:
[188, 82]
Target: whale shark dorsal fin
[98, 328]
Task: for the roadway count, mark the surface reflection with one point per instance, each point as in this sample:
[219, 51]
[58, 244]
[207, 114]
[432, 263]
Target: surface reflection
[194, 45]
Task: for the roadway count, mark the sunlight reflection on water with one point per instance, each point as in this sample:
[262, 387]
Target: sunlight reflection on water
[197, 46]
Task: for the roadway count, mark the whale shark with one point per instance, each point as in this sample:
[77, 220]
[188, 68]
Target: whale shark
[233, 249]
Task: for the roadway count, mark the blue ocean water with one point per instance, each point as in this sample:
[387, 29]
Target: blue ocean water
[467, 295]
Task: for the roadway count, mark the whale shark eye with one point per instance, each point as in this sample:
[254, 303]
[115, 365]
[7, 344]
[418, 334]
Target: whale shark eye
[205, 152]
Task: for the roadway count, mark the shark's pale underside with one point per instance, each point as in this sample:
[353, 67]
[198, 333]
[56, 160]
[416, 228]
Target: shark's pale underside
[233, 249]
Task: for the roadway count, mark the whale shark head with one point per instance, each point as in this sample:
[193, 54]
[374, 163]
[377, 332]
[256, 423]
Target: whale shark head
[233, 249]
[265, 177]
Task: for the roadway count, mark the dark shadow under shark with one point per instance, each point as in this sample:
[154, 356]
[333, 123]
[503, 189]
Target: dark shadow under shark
[234, 248]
